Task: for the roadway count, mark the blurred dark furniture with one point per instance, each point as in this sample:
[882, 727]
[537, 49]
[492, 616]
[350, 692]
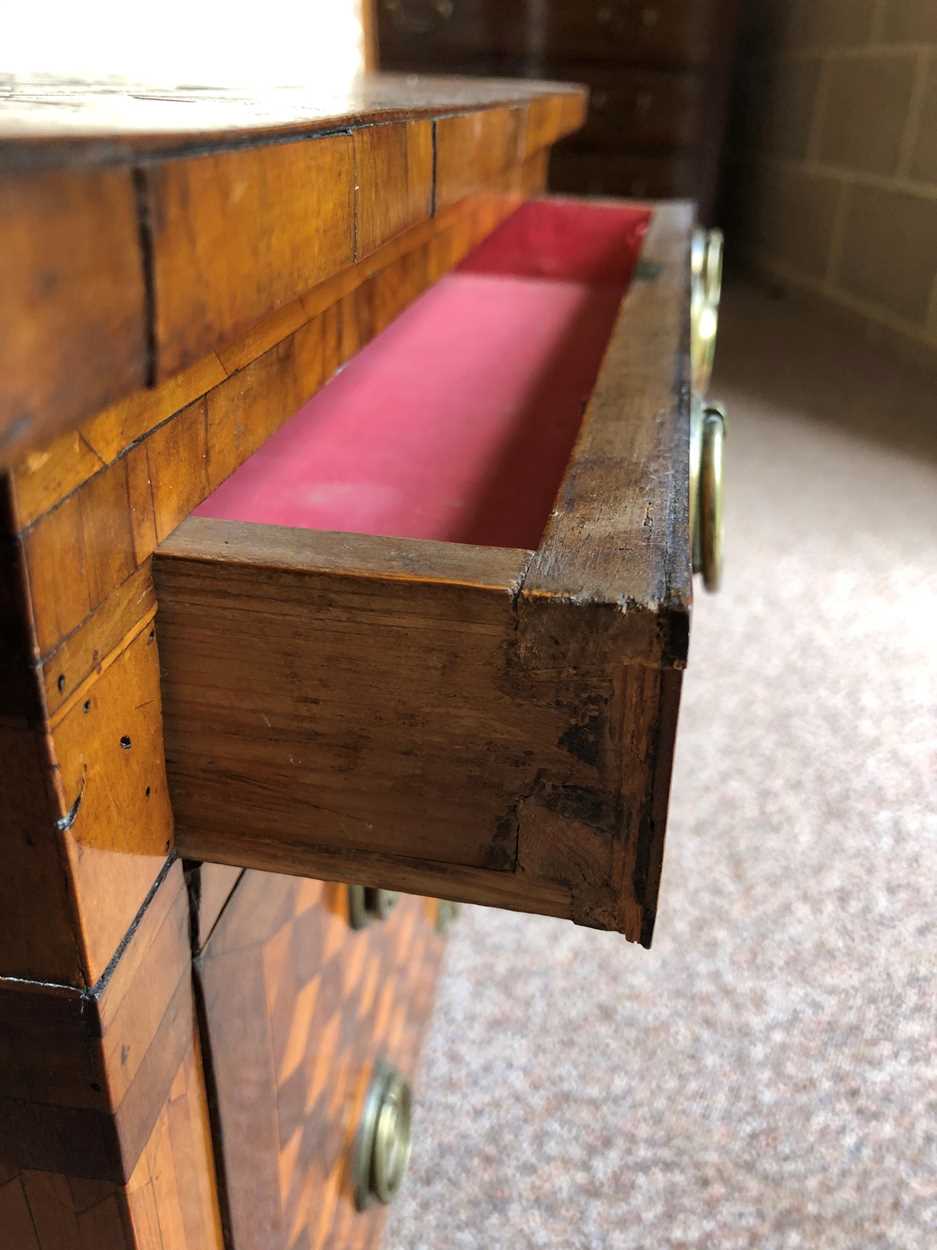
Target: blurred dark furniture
[658, 72]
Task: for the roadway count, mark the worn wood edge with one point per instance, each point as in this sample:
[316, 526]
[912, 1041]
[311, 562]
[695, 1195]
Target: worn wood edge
[647, 868]
[240, 544]
[646, 351]
[487, 887]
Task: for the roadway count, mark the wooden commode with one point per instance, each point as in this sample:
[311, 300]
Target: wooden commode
[346, 575]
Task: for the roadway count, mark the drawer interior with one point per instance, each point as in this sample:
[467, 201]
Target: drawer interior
[397, 651]
[457, 422]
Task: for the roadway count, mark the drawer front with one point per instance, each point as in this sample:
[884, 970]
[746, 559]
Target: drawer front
[670, 175]
[635, 109]
[441, 651]
[445, 32]
[636, 32]
[451, 32]
[298, 1009]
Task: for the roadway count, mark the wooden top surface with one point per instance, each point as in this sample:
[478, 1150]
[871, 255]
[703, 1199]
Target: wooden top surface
[147, 226]
[51, 120]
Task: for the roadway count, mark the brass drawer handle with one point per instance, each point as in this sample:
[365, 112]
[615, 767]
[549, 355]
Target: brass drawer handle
[382, 1146]
[705, 293]
[366, 904]
[707, 442]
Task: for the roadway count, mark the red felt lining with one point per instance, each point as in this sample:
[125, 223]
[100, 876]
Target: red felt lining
[457, 421]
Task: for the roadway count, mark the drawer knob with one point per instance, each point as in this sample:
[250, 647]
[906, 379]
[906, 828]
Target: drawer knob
[707, 441]
[365, 904]
[382, 1146]
[705, 294]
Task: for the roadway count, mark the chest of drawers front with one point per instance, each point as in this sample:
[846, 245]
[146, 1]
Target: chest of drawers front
[214, 1057]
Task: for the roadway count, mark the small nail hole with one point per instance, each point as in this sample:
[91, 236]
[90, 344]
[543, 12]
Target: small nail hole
[125, 743]
[61, 682]
[86, 706]
[147, 792]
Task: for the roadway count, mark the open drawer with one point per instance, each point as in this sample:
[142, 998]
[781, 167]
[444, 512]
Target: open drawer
[431, 636]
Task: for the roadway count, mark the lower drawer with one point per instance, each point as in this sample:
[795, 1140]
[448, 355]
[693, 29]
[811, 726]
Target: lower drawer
[300, 1013]
[639, 109]
[658, 175]
[431, 636]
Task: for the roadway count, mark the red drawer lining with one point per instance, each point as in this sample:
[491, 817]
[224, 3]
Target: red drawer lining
[457, 421]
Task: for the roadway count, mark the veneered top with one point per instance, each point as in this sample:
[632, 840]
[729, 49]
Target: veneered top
[52, 120]
[145, 226]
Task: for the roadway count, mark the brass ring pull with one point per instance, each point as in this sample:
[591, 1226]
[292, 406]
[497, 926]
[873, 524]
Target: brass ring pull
[365, 904]
[707, 442]
[382, 1147]
[705, 293]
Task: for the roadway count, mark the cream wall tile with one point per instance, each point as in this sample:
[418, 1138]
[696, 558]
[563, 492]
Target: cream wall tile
[833, 23]
[910, 21]
[791, 217]
[865, 111]
[833, 121]
[924, 160]
[889, 250]
[785, 98]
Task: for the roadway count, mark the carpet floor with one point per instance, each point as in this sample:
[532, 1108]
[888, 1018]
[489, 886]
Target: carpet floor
[766, 1077]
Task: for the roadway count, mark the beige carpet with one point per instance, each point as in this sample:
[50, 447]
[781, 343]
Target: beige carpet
[766, 1077]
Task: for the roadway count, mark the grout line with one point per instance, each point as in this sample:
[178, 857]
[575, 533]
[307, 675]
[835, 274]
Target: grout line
[856, 52]
[815, 133]
[820, 169]
[838, 235]
[912, 124]
[875, 314]
[878, 21]
[932, 309]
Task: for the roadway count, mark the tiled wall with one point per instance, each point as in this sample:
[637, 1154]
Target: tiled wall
[832, 176]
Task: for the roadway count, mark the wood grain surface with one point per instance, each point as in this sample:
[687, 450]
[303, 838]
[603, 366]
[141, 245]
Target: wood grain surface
[81, 519]
[453, 715]
[72, 299]
[297, 1008]
[131, 422]
[282, 218]
[150, 226]
[45, 120]
[102, 1105]
[169, 1202]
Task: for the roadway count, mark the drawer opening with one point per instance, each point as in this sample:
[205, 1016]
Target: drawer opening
[457, 422]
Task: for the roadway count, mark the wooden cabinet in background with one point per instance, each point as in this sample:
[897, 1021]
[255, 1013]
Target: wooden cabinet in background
[658, 72]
